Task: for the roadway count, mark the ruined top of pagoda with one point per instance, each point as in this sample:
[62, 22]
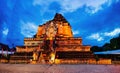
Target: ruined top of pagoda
[58, 26]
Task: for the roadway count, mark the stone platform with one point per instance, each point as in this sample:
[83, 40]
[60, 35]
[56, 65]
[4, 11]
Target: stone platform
[37, 68]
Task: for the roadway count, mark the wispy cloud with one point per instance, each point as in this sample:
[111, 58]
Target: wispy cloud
[113, 33]
[42, 2]
[28, 29]
[71, 6]
[5, 31]
[75, 32]
[91, 6]
[96, 36]
[102, 35]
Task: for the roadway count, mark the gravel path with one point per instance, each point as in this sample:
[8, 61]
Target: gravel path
[29, 68]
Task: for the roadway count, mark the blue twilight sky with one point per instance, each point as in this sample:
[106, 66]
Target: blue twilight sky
[96, 21]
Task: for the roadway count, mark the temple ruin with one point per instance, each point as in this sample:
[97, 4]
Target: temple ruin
[54, 43]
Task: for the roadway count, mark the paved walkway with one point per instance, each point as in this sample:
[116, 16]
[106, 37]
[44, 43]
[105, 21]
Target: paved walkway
[29, 68]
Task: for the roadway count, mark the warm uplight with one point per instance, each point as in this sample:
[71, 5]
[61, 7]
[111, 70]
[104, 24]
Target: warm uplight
[57, 61]
[52, 57]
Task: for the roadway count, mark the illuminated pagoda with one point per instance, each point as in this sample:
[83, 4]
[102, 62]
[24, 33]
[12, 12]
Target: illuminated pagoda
[54, 43]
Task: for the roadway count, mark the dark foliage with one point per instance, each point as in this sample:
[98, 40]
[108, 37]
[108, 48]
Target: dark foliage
[113, 45]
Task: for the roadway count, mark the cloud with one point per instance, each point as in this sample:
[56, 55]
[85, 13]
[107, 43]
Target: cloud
[28, 29]
[113, 33]
[71, 6]
[75, 32]
[102, 35]
[42, 2]
[91, 6]
[96, 36]
[5, 31]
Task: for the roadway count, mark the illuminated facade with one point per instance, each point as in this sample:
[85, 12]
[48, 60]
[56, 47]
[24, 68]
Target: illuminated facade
[54, 43]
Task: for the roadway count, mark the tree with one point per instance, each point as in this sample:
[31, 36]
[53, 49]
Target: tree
[106, 47]
[115, 43]
[35, 35]
[96, 49]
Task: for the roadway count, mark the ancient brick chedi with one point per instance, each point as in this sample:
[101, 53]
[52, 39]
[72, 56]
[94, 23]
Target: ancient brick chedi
[54, 43]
